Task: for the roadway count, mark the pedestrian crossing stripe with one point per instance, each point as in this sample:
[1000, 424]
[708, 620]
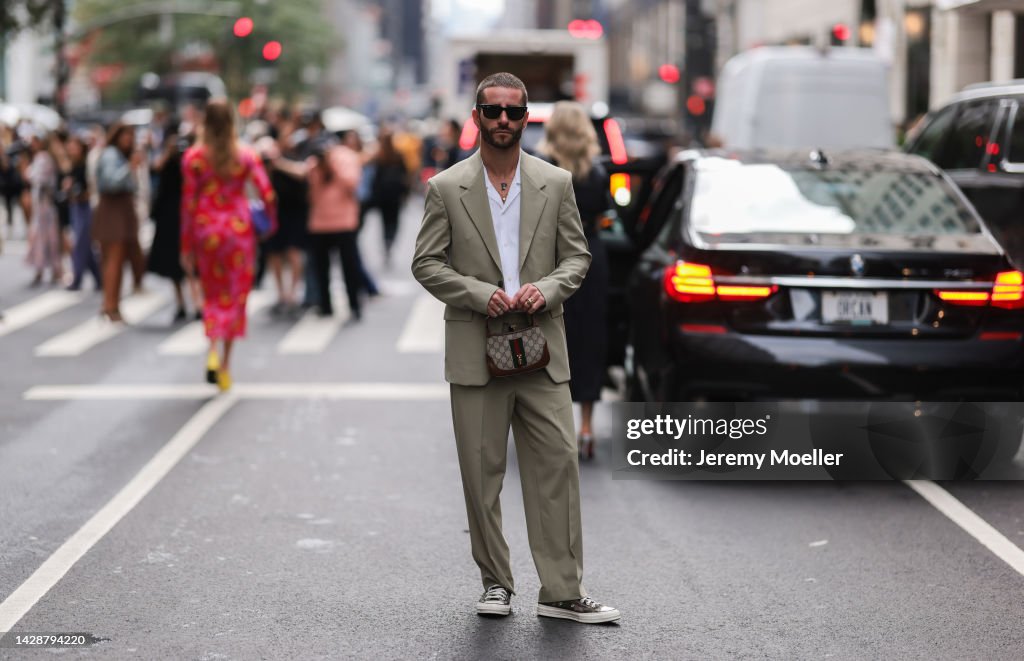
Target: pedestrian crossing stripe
[192, 341]
[88, 334]
[311, 334]
[422, 332]
[35, 309]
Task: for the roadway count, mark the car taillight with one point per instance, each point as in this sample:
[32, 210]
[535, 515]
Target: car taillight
[620, 184]
[620, 190]
[1007, 292]
[963, 297]
[616, 145]
[687, 282]
[743, 293]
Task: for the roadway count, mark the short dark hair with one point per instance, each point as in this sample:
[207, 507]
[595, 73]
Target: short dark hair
[502, 79]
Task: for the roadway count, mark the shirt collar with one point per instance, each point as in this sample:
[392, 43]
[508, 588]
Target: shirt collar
[514, 187]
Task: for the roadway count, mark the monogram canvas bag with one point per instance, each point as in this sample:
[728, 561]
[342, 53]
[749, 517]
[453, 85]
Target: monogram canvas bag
[516, 350]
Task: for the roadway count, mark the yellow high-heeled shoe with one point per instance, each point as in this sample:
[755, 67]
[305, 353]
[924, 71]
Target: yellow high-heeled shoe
[212, 366]
[223, 380]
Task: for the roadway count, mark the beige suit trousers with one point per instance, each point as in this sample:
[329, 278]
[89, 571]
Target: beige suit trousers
[541, 417]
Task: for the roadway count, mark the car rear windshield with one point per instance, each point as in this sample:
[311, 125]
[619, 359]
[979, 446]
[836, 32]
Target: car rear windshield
[733, 201]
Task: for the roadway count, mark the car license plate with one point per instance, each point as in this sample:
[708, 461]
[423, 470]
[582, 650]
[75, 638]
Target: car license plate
[854, 307]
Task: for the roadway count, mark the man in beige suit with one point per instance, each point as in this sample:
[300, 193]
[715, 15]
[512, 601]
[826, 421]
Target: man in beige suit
[501, 236]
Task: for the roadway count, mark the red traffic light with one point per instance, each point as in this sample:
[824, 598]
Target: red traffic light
[589, 29]
[669, 73]
[243, 27]
[696, 106]
[272, 50]
[841, 31]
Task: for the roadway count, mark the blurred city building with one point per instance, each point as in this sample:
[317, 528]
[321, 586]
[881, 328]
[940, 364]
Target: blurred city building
[380, 63]
[934, 48]
[27, 62]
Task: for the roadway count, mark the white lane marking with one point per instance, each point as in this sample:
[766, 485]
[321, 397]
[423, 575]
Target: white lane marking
[312, 333]
[391, 287]
[86, 335]
[971, 523]
[32, 310]
[115, 392]
[188, 341]
[64, 558]
[424, 330]
[191, 340]
[349, 391]
[185, 391]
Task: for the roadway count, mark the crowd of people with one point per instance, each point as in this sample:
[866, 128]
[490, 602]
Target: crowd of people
[84, 195]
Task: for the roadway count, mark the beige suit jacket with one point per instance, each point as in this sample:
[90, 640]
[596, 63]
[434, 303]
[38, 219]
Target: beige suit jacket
[457, 258]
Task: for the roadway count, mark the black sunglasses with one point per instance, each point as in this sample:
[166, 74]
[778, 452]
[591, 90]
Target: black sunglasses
[493, 111]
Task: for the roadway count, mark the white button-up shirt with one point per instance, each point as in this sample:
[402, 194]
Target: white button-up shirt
[505, 216]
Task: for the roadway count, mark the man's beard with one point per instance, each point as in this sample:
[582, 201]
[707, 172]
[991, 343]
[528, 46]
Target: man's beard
[489, 136]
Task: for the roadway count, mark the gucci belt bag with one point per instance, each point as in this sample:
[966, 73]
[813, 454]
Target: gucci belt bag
[516, 349]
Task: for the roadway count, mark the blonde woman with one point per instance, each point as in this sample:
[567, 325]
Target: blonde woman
[570, 142]
[217, 234]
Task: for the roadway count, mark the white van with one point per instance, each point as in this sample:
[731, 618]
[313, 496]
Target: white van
[800, 96]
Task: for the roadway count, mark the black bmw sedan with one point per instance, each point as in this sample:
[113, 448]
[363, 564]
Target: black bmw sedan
[860, 274]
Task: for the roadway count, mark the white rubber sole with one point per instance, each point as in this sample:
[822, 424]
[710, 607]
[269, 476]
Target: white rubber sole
[493, 609]
[585, 618]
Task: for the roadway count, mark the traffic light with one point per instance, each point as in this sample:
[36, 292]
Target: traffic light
[840, 34]
[272, 50]
[696, 106]
[669, 73]
[243, 27]
[586, 29]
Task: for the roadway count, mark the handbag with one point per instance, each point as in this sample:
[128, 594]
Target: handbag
[260, 217]
[516, 350]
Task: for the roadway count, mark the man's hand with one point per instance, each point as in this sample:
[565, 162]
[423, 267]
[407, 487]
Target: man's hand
[499, 304]
[528, 299]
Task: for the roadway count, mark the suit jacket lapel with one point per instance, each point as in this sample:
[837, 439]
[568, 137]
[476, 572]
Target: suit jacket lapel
[532, 202]
[474, 199]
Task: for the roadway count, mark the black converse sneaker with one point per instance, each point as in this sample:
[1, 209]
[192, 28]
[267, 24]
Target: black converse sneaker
[584, 610]
[495, 601]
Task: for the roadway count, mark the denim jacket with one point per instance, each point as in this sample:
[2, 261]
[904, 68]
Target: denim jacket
[114, 173]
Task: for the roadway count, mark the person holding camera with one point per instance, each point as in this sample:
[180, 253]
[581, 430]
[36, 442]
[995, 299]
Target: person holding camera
[333, 172]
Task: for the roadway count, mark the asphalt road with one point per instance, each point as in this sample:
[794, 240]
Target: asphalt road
[311, 516]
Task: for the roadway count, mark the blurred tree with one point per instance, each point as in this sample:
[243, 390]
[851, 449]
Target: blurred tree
[186, 39]
[16, 15]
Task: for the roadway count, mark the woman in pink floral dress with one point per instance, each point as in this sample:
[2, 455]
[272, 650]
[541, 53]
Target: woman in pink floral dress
[217, 234]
